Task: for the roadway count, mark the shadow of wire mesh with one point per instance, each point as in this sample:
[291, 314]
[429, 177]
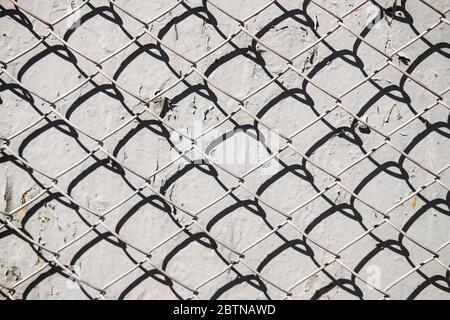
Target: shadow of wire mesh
[108, 193]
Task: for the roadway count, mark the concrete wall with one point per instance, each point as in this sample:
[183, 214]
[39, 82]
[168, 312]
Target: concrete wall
[414, 194]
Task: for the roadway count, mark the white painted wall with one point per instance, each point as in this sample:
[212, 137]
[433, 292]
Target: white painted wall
[238, 220]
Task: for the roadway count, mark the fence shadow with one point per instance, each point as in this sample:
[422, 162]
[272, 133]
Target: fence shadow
[200, 232]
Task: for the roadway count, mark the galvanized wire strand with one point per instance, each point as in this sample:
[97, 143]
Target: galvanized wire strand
[240, 179]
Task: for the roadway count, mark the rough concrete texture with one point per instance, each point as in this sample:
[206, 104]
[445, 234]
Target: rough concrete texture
[402, 178]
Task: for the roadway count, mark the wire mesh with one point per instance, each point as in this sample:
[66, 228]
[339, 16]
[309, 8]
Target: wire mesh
[379, 226]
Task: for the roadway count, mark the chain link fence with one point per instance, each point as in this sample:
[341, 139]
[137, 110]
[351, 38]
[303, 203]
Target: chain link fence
[224, 149]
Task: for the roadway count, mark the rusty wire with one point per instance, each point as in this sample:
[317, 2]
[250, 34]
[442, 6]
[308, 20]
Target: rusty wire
[53, 259]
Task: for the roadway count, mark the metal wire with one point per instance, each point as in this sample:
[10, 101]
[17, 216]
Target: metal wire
[53, 260]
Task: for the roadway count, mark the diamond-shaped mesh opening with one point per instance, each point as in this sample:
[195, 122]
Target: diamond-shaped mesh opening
[224, 149]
